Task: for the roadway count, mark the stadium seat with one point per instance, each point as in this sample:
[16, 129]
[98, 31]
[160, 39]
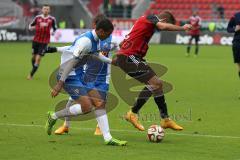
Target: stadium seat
[182, 9]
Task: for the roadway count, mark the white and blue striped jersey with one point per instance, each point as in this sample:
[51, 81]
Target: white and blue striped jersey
[86, 43]
[96, 70]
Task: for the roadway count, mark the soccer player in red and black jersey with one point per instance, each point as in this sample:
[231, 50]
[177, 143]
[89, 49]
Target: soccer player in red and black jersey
[234, 27]
[130, 59]
[42, 24]
[195, 21]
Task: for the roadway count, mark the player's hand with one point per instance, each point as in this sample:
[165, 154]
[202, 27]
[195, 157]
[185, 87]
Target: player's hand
[114, 61]
[32, 28]
[237, 28]
[105, 53]
[187, 27]
[57, 88]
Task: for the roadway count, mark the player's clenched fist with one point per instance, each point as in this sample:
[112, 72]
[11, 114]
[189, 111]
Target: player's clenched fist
[187, 27]
[57, 88]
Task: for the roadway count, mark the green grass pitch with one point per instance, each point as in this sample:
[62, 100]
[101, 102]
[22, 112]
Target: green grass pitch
[204, 100]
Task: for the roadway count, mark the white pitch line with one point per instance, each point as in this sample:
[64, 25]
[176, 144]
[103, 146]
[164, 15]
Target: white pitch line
[126, 131]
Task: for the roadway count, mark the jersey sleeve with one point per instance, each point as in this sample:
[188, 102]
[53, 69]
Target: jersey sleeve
[199, 21]
[231, 25]
[54, 24]
[33, 23]
[83, 47]
[62, 49]
[153, 18]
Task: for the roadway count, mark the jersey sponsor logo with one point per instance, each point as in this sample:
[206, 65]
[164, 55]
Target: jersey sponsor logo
[77, 91]
[43, 24]
[39, 20]
[126, 44]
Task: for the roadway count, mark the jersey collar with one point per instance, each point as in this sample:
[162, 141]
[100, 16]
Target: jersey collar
[43, 16]
[95, 35]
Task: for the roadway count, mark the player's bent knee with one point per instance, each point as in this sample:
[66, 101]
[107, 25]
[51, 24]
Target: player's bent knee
[99, 104]
[38, 59]
[157, 85]
[86, 104]
[75, 109]
[86, 108]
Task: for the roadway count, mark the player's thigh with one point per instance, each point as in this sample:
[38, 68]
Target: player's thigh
[41, 49]
[38, 58]
[190, 39]
[196, 39]
[136, 68]
[99, 94]
[85, 102]
[236, 52]
[34, 48]
[155, 83]
[75, 88]
[96, 98]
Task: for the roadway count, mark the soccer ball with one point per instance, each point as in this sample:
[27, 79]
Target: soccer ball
[155, 133]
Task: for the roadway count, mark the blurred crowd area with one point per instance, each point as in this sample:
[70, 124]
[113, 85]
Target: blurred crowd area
[112, 8]
[30, 7]
[123, 12]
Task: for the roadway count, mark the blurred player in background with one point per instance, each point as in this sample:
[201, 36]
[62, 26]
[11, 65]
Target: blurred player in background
[130, 59]
[234, 27]
[195, 21]
[42, 24]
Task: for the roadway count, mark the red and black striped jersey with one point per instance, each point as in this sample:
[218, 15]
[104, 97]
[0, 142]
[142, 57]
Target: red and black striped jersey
[195, 21]
[136, 42]
[43, 27]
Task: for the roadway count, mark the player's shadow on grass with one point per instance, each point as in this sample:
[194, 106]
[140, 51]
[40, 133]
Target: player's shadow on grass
[128, 88]
[112, 103]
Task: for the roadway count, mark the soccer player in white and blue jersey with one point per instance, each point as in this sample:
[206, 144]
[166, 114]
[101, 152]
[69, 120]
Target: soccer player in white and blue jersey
[84, 45]
[96, 78]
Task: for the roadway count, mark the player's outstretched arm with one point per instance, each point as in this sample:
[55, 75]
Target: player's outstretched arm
[172, 27]
[32, 25]
[103, 58]
[62, 49]
[83, 46]
[68, 66]
[51, 49]
[54, 25]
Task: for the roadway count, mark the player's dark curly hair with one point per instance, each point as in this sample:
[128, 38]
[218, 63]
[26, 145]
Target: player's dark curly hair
[98, 18]
[168, 16]
[105, 24]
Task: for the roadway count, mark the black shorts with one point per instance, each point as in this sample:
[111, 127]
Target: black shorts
[135, 67]
[39, 48]
[236, 52]
[196, 37]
